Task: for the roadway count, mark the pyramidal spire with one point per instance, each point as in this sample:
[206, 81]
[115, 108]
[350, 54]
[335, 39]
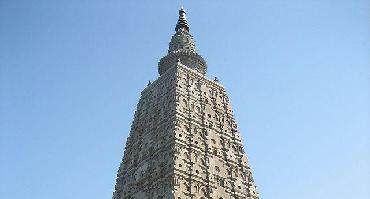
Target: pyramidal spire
[184, 142]
[182, 23]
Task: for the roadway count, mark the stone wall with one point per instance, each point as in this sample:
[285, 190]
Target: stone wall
[184, 143]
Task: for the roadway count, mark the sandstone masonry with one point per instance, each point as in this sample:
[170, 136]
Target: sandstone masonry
[184, 142]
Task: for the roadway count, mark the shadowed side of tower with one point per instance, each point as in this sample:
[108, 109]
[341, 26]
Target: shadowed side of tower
[184, 141]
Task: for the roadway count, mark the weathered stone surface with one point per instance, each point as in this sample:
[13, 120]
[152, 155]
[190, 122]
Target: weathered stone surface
[184, 141]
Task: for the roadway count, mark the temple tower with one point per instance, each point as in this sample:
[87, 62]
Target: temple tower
[184, 142]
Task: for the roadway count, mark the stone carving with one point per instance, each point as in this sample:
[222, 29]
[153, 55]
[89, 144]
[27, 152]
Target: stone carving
[184, 141]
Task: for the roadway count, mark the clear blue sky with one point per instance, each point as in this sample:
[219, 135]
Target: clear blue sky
[297, 73]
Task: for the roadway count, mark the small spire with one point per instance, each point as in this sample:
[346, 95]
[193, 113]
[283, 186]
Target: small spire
[182, 23]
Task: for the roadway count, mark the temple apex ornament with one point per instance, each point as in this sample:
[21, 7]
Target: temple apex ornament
[184, 142]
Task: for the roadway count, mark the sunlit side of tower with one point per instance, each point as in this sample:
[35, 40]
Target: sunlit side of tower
[184, 141]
